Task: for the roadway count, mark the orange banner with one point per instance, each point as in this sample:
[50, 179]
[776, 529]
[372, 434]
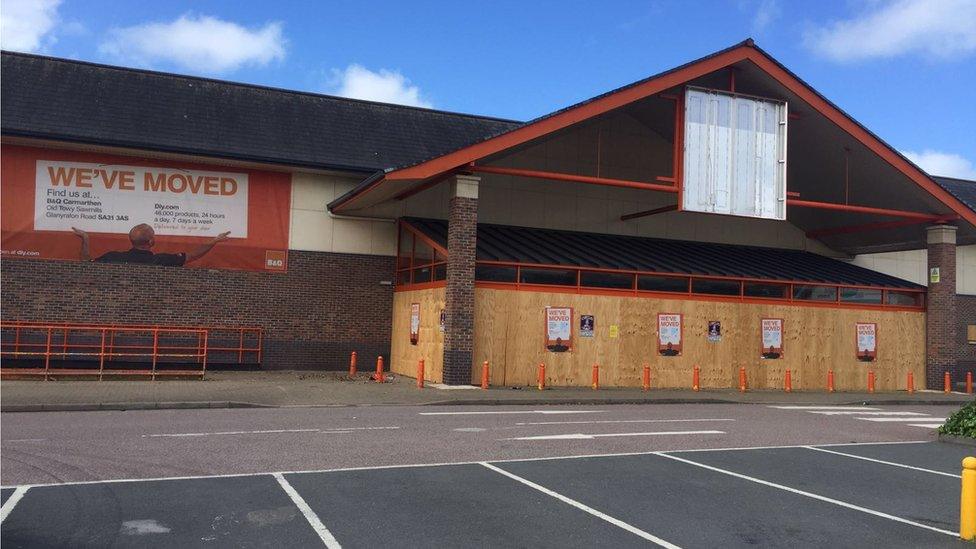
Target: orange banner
[59, 204]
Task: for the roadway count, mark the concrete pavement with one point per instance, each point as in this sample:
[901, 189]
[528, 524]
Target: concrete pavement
[677, 475]
[276, 389]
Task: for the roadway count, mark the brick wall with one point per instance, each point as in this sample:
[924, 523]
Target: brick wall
[459, 294]
[966, 315]
[313, 316]
[941, 321]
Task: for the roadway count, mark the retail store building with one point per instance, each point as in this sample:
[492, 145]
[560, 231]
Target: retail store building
[721, 214]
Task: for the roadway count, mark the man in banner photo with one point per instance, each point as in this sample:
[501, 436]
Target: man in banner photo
[143, 238]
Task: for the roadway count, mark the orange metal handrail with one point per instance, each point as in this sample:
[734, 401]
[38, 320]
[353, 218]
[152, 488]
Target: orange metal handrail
[107, 349]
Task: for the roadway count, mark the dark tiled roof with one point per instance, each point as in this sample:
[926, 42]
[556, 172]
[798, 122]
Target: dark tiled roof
[552, 247]
[61, 99]
[963, 189]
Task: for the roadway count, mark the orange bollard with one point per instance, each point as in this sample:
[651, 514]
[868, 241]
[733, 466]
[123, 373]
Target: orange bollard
[830, 381]
[871, 381]
[695, 376]
[911, 383]
[379, 376]
[352, 364]
[596, 377]
[542, 376]
[969, 383]
[484, 375]
[742, 379]
[947, 383]
[420, 374]
[646, 382]
[788, 382]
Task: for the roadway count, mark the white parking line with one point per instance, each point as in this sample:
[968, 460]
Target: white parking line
[860, 413]
[926, 425]
[12, 502]
[823, 408]
[902, 419]
[324, 534]
[584, 436]
[585, 508]
[334, 430]
[447, 463]
[618, 421]
[810, 495]
[496, 412]
[893, 464]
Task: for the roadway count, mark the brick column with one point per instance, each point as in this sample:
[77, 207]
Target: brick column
[462, 229]
[940, 325]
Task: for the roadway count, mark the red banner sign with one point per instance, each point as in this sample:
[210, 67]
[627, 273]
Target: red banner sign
[59, 204]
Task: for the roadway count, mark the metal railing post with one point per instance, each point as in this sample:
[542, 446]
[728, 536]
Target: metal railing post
[155, 351]
[47, 355]
[101, 357]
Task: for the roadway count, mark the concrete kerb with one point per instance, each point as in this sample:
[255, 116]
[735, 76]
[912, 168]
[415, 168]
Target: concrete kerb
[956, 439]
[797, 399]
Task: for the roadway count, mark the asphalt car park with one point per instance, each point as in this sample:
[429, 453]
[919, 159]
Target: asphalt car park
[902, 494]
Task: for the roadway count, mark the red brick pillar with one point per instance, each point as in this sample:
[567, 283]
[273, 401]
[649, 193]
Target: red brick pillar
[940, 325]
[462, 229]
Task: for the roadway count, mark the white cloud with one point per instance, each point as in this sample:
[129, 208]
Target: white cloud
[385, 86]
[944, 164]
[198, 43]
[941, 29]
[26, 25]
[767, 12]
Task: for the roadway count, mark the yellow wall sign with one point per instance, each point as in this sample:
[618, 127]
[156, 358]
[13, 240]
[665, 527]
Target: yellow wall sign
[614, 331]
[934, 275]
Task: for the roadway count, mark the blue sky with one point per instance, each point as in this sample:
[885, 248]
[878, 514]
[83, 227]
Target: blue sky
[904, 68]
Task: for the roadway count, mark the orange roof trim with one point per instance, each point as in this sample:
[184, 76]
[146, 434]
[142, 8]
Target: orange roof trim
[745, 51]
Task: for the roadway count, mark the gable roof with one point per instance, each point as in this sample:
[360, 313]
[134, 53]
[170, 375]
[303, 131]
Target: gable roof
[963, 189]
[60, 99]
[632, 253]
[402, 180]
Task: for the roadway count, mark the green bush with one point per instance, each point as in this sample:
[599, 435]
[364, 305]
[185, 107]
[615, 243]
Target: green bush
[962, 423]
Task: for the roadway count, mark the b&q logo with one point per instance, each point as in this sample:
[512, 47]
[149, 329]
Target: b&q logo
[275, 260]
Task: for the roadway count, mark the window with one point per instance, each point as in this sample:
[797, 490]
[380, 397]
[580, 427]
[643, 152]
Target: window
[606, 280]
[715, 287]
[440, 272]
[654, 283]
[860, 295]
[494, 273]
[421, 275]
[552, 277]
[772, 291]
[815, 293]
[904, 299]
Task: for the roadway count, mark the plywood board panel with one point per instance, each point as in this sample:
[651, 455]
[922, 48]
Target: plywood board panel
[509, 332]
[430, 343]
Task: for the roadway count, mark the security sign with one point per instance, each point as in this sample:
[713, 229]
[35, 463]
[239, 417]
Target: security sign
[414, 323]
[669, 334]
[559, 329]
[867, 341]
[772, 338]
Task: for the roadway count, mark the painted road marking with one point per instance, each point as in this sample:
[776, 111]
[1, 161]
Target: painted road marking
[543, 412]
[617, 421]
[12, 502]
[868, 413]
[823, 408]
[893, 464]
[584, 436]
[902, 419]
[811, 495]
[336, 430]
[324, 534]
[926, 425]
[582, 507]
[25, 440]
[446, 463]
